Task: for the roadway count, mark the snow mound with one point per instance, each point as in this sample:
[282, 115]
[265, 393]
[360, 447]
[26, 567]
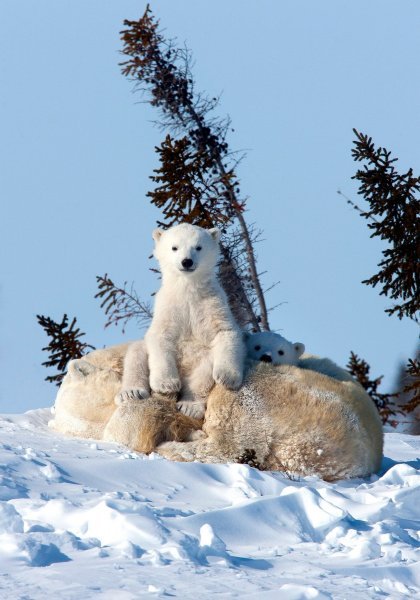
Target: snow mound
[106, 522]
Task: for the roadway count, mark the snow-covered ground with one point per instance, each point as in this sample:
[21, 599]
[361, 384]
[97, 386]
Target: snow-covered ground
[84, 519]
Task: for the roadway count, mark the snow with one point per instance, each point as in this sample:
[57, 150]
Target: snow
[85, 519]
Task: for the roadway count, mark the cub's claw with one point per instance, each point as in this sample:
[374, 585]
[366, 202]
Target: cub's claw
[195, 410]
[131, 394]
[170, 385]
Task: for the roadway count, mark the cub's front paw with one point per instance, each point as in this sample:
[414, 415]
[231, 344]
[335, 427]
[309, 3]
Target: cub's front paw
[195, 410]
[168, 385]
[230, 378]
[132, 394]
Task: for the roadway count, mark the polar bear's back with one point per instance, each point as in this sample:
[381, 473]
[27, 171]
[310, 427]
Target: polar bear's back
[332, 425]
[111, 357]
[309, 422]
[85, 399]
[325, 366]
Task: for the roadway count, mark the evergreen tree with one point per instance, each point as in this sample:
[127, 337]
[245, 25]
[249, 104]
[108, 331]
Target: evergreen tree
[393, 209]
[197, 180]
[196, 183]
[385, 403]
[393, 215]
[64, 344]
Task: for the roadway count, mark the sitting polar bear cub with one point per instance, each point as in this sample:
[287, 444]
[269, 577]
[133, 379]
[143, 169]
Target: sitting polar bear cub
[193, 341]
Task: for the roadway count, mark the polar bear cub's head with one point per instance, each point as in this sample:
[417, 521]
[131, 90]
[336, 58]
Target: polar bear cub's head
[187, 250]
[273, 348]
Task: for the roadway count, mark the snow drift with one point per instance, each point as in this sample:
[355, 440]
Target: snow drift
[88, 519]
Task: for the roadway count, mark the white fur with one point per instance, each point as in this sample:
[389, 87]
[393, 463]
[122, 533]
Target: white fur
[296, 419]
[324, 366]
[135, 380]
[273, 348]
[193, 340]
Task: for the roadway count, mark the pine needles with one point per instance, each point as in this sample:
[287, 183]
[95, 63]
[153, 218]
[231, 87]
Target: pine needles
[394, 216]
[412, 386]
[385, 404]
[64, 345]
[122, 304]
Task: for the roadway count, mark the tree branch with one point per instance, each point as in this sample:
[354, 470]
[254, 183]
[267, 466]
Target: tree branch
[121, 305]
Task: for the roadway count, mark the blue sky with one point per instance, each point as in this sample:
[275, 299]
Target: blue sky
[76, 152]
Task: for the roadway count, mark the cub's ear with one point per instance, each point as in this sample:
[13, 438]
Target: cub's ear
[80, 368]
[157, 234]
[215, 233]
[300, 348]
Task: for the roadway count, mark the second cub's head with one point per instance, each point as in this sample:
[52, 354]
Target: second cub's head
[187, 250]
[271, 347]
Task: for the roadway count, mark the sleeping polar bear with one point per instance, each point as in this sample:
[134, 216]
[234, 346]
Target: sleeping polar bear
[295, 419]
[313, 419]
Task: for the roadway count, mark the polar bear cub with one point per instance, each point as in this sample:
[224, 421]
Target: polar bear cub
[273, 348]
[193, 341]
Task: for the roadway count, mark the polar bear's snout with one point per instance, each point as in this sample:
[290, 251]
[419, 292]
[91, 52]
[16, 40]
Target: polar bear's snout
[187, 264]
[266, 358]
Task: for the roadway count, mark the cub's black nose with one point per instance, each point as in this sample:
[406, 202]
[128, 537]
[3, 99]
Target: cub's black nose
[187, 263]
[266, 358]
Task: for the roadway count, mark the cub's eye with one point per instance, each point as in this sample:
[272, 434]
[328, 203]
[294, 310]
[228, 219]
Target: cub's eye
[174, 248]
[281, 352]
[198, 248]
[257, 348]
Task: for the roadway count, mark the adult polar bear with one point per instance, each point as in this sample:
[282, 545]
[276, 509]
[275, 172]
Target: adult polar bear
[295, 419]
[193, 341]
[313, 419]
